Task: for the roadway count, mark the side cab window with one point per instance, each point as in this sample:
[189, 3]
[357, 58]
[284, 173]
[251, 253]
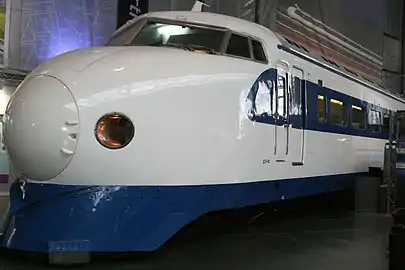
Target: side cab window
[246, 47]
[238, 46]
[258, 51]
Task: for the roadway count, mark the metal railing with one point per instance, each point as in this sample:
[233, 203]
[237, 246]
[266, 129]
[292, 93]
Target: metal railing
[394, 147]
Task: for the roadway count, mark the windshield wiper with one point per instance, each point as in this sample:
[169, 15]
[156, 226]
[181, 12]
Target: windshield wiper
[202, 47]
[175, 45]
[189, 47]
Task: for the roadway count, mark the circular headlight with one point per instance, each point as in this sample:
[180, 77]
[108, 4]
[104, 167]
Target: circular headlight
[114, 131]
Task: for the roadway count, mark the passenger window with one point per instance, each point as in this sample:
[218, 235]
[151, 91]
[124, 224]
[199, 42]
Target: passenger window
[386, 123]
[321, 108]
[337, 112]
[358, 117]
[258, 52]
[238, 46]
[374, 121]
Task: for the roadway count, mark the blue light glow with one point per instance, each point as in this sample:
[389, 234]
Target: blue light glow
[53, 27]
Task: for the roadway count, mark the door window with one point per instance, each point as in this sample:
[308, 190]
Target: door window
[263, 98]
[321, 108]
[374, 120]
[295, 104]
[281, 91]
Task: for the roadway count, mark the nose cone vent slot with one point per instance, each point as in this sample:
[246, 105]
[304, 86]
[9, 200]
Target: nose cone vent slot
[41, 128]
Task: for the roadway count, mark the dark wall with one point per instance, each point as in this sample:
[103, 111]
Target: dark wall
[129, 9]
[360, 20]
[374, 24]
[237, 8]
[49, 29]
[363, 21]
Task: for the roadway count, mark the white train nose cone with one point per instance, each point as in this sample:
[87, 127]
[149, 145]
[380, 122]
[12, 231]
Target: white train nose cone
[41, 128]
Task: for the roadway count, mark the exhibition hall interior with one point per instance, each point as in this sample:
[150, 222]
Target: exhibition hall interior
[211, 134]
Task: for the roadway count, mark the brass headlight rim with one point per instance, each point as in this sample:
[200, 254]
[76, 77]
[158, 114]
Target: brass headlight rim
[102, 143]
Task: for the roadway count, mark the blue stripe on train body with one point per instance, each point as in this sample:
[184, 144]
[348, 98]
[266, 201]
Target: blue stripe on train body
[307, 117]
[135, 218]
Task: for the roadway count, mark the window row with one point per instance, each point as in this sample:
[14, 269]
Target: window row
[361, 118]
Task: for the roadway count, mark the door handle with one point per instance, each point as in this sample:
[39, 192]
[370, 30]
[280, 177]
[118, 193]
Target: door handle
[287, 139]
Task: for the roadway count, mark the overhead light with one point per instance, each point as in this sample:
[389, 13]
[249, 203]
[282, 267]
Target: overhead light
[336, 101]
[172, 30]
[357, 108]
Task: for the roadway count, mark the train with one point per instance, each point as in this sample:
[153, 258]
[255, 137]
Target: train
[182, 113]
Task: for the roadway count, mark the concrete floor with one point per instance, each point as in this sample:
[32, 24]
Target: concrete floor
[3, 205]
[326, 239]
[345, 242]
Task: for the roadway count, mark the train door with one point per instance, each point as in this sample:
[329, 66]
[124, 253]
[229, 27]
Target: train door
[2, 146]
[4, 164]
[281, 135]
[296, 116]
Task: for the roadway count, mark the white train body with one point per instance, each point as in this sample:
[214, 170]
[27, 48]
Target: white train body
[200, 141]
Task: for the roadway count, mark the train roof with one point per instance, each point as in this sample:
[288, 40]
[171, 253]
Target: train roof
[324, 62]
[274, 40]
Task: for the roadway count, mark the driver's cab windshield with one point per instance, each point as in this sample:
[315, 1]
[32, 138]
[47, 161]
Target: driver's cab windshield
[187, 37]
